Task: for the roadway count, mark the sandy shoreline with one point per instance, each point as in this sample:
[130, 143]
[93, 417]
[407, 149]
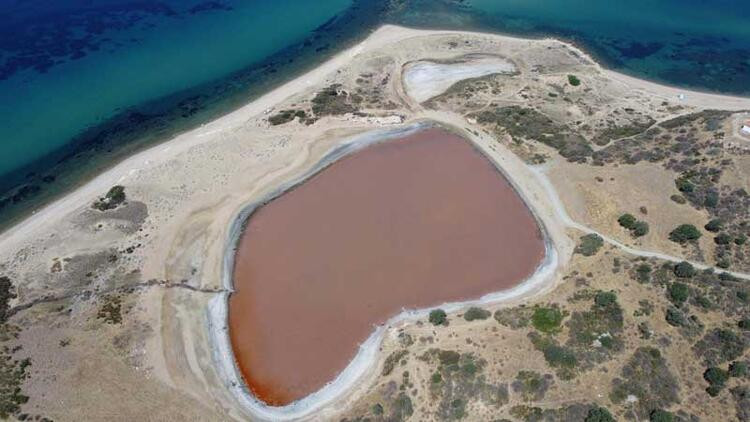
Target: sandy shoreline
[218, 208]
[384, 35]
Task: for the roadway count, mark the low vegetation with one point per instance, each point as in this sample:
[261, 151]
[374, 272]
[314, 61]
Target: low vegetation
[547, 319]
[589, 244]
[528, 124]
[438, 317]
[531, 386]
[636, 227]
[475, 313]
[114, 197]
[111, 310]
[684, 233]
[646, 377]
[458, 380]
[286, 116]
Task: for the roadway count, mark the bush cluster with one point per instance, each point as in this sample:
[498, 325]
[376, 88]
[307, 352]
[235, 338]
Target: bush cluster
[589, 244]
[547, 320]
[475, 313]
[684, 233]
[438, 317]
[637, 227]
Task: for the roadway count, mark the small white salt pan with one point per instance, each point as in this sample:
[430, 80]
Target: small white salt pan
[425, 79]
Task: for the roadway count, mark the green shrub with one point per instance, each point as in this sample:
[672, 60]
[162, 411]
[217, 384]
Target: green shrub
[740, 240]
[531, 385]
[285, 116]
[556, 356]
[647, 376]
[643, 273]
[448, 357]
[589, 244]
[744, 324]
[684, 185]
[7, 292]
[675, 318]
[114, 197]
[717, 379]
[547, 320]
[391, 361]
[599, 414]
[475, 313]
[684, 269]
[678, 293]
[712, 199]
[637, 228]
[737, 369]
[659, 415]
[684, 233]
[438, 317]
[436, 378]
[714, 225]
[720, 345]
[604, 299]
[573, 80]
[722, 239]
[627, 221]
[640, 228]
[402, 407]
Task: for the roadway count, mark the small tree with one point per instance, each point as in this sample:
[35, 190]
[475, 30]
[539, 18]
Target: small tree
[678, 293]
[717, 379]
[714, 225]
[627, 221]
[640, 228]
[547, 320]
[589, 244]
[643, 272]
[722, 239]
[599, 414]
[684, 269]
[738, 369]
[438, 317]
[684, 233]
[659, 415]
[573, 80]
[684, 185]
[475, 313]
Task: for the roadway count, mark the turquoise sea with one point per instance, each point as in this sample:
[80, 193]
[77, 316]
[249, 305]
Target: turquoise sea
[85, 83]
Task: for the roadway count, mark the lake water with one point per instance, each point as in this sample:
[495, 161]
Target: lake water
[83, 84]
[407, 223]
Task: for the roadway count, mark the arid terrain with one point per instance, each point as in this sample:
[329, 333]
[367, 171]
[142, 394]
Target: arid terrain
[112, 296]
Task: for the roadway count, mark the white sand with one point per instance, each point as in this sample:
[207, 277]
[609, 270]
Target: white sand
[425, 79]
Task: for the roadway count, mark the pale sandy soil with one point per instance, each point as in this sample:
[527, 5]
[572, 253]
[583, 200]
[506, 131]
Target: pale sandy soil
[196, 184]
[424, 79]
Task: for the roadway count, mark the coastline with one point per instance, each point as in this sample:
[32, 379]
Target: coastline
[358, 372]
[384, 34]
